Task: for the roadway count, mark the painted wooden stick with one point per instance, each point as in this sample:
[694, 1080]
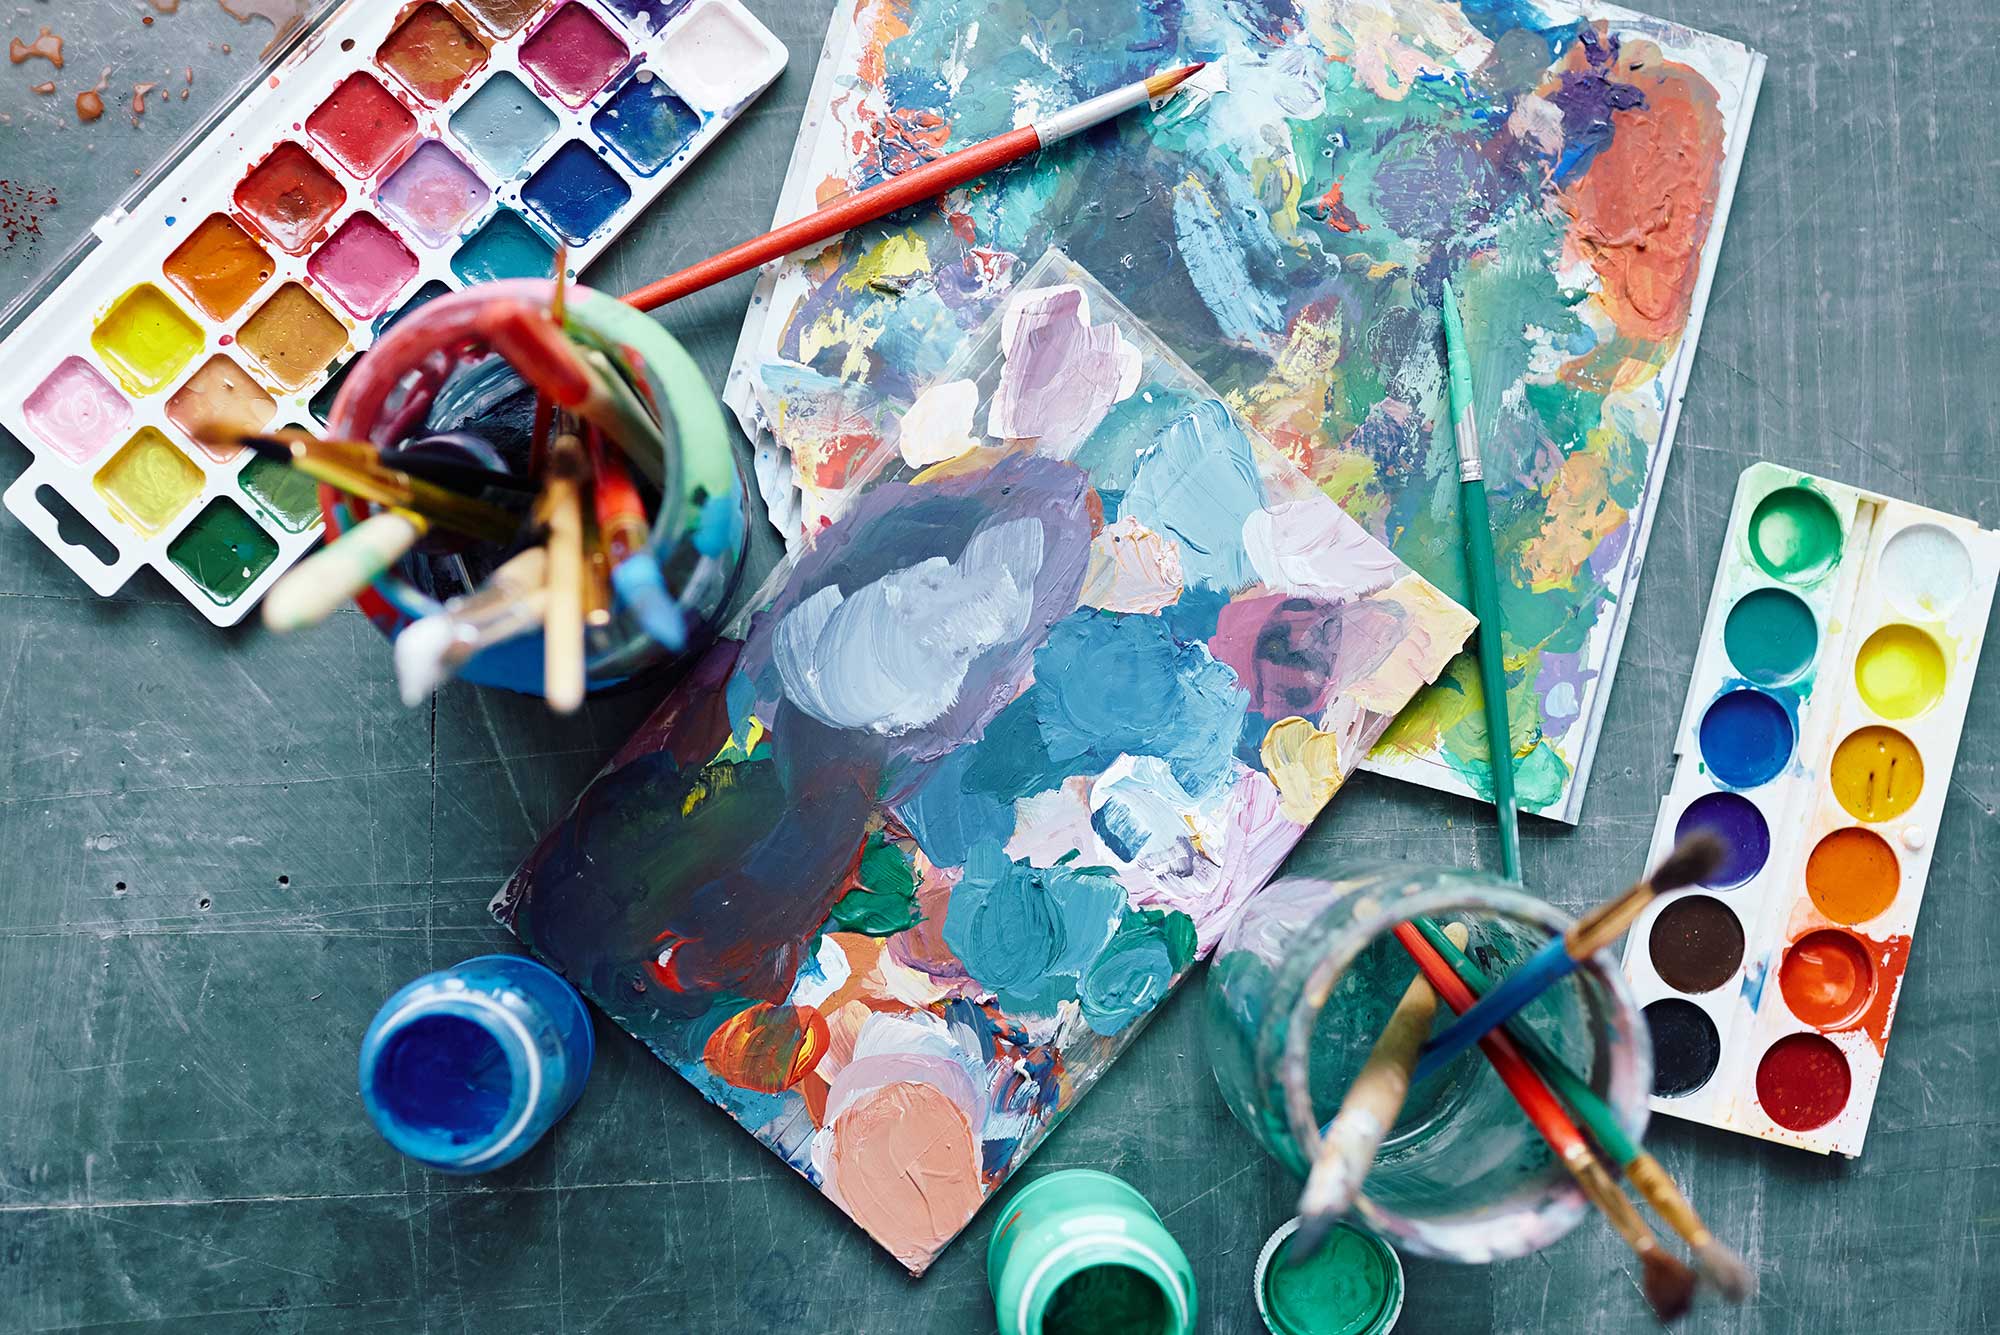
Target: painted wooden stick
[310, 591]
[561, 510]
[1347, 1146]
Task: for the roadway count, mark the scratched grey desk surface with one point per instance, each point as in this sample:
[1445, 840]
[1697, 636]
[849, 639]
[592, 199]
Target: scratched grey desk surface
[220, 851]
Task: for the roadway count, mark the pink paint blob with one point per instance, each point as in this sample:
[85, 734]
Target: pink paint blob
[363, 265]
[573, 55]
[432, 194]
[76, 410]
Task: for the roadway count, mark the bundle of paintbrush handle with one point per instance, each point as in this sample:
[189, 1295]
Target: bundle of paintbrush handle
[1721, 1266]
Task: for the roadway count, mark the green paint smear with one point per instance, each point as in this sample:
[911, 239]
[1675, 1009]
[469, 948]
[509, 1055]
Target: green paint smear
[1106, 1300]
[1342, 1289]
[885, 901]
[223, 551]
[288, 496]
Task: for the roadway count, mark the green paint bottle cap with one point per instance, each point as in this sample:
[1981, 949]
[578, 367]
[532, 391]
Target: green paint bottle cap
[1352, 1286]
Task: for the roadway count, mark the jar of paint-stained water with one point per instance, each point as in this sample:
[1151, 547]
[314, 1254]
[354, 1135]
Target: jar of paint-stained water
[1082, 1253]
[466, 1068]
[1351, 1285]
[1299, 990]
[664, 601]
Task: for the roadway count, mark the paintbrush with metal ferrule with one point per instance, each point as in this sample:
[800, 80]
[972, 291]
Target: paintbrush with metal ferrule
[1718, 1264]
[1693, 859]
[1374, 1100]
[1478, 525]
[911, 187]
[1666, 1280]
[344, 466]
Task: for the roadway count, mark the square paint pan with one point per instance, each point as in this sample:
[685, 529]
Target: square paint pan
[1836, 662]
[384, 154]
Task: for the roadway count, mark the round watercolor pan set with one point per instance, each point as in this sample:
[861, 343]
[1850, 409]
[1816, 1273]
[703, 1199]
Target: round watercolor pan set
[397, 152]
[1837, 659]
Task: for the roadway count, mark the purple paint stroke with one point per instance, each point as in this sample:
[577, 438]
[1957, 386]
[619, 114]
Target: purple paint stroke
[1587, 99]
[1062, 374]
[1560, 683]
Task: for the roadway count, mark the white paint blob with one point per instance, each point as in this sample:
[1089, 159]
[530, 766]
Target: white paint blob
[1926, 571]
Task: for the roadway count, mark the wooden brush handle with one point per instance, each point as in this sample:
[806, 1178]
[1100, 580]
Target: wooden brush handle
[1374, 1100]
[1664, 1195]
[1607, 922]
[1616, 1206]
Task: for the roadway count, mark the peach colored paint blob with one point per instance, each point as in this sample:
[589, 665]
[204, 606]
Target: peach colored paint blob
[220, 397]
[1852, 875]
[767, 1048]
[47, 46]
[1630, 214]
[905, 1166]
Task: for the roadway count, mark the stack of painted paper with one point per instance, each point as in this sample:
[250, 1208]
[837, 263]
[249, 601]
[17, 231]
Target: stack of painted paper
[893, 878]
[1569, 167]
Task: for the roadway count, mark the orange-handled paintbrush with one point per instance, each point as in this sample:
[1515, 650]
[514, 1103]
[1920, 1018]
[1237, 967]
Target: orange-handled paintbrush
[899, 192]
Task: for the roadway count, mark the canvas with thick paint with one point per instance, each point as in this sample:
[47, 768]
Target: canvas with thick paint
[903, 866]
[1569, 168]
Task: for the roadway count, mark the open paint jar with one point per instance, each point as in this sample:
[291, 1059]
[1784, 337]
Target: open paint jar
[1081, 1252]
[1351, 1285]
[1299, 990]
[432, 375]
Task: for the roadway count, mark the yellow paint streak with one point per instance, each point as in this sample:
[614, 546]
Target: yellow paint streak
[837, 328]
[1578, 515]
[1304, 764]
[903, 255]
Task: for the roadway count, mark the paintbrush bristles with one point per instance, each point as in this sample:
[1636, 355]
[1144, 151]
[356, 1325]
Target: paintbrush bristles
[1159, 85]
[1722, 1267]
[1692, 861]
[1667, 1281]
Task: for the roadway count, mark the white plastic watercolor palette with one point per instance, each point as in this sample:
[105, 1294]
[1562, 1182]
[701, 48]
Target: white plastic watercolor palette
[397, 153]
[1817, 742]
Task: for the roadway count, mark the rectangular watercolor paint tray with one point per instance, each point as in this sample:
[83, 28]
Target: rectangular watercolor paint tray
[1817, 742]
[394, 153]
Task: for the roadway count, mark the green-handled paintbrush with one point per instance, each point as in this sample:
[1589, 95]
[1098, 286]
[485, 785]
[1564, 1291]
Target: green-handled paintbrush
[1485, 584]
[1722, 1267]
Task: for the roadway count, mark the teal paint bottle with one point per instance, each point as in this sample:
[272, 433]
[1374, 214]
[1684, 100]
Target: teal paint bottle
[466, 1068]
[1082, 1253]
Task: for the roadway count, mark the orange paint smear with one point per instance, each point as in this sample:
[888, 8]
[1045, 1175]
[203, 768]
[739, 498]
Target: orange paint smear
[767, 1048]
[1629, 213]
[48, 46]
[1891, 958]
[904, 1164]
[1333, 211]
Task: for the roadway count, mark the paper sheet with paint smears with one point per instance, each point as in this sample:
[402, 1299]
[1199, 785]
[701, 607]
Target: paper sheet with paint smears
[911, 857]
[1569, 168]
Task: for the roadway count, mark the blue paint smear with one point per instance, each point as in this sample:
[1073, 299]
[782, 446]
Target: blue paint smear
[1105, 686]
[1195, 484]
[1028, 933]
[1130, 976]
[947, 818]
[503, 124]
[576, 193]
[645, 123]
[1746, 737]
[506, 247]
[648, 16]
[1496, 18]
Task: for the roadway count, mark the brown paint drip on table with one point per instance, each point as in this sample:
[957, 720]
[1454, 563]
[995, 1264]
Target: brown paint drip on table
[48, 46]
[286, 17]
[90, 102]
[43, 88]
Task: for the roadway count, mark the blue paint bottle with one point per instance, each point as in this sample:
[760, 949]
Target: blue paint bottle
[464, 1069]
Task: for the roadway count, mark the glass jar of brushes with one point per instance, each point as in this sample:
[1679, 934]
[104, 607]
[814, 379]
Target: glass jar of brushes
[1301, 987]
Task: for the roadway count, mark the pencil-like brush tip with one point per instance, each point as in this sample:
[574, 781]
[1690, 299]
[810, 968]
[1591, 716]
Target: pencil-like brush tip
[1668, 1284]
[1726, 1271]
[1162, 84]
[1693, 861]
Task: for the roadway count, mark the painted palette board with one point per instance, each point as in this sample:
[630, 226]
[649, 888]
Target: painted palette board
[1288, 233]
[1818, 740]
[396, 153]
[917, 849]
